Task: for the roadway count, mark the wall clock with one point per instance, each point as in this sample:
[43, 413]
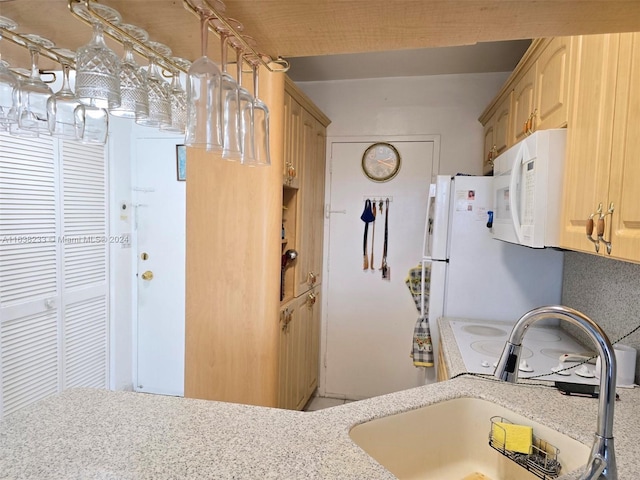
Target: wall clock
[381, 162]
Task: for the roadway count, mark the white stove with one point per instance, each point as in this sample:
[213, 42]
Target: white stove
[481, 344]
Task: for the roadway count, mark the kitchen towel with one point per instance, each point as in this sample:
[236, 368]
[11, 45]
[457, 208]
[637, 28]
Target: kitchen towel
[414, 282]
[422, 349]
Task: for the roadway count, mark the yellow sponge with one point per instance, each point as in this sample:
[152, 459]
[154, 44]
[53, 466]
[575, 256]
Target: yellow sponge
[517, 438]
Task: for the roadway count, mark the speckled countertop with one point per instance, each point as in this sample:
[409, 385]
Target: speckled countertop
[97, 434]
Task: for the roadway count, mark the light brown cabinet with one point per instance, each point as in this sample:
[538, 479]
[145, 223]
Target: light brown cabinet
[602, 172]
[235, 348]
[299, 350]
[534, 97]
[497, 132]
[303, 226]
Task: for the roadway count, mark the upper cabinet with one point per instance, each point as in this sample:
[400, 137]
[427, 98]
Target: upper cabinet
[534, 97]
[497, 131]
[601, 213]
[304, 191]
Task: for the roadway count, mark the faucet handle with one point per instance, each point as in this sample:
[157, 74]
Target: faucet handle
[595, 467]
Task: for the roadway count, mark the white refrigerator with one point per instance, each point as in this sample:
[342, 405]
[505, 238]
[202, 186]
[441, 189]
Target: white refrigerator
[472, 274]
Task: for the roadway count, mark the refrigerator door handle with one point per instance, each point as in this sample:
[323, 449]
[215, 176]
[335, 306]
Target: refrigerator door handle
[427, 222]
[516, 170]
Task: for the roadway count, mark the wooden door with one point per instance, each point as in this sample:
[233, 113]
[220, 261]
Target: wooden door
[589, 139]
[502, 134]
[304, 274]
[489, 143]
[552, 84]
[312, 360]
[623, 227]
[317, 209]
[523, 103]
[292, 142]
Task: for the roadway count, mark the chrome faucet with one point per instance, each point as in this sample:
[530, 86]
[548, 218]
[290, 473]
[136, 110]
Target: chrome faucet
[602, 460]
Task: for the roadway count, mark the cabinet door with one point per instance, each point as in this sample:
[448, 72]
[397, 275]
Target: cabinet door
[552, 85]
[489, 143]
[312, 341]
[589, 137]
[502, 134]
[623, 227]
[304, 271]
[523, 101]
[291, 355]
[292, 140]
[318, 201]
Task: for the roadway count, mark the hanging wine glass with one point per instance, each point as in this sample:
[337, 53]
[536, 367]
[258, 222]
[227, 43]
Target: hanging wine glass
[33, 94]
[244, 105]
[260, 117]
[204, 114]
[158, 90]
[178, 99]
[8, 84]
[134, 94]
[97, 66]
[61, 105]
[92, 124]
[232, 149]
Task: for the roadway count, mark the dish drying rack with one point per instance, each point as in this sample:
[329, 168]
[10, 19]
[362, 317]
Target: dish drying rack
[542, 461]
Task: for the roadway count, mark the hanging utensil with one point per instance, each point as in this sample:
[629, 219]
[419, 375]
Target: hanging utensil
[373, 236]
[367, 217]
[386, 270]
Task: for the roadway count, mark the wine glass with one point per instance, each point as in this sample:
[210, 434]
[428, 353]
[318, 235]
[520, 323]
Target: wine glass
[92, 124]
[260, 117]
[232, 149]
[244, 105]
[178, 99]
[97, 66]
[8, 84]
[33, 94]
[134, 95]
[203, 93]
[158, 90]
[61, 105]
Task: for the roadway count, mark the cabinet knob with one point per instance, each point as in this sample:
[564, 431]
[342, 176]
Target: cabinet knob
[311, 278]
[311, 299]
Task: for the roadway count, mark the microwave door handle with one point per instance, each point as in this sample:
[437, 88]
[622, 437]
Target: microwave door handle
[516, 169]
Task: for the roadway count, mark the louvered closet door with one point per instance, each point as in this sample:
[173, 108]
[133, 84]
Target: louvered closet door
[84, 266]
[29, 286]
[53, 269]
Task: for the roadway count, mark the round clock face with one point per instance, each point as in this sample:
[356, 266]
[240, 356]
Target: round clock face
[381, 162]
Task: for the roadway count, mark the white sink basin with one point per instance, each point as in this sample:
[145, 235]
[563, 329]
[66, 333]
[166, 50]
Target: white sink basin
[450, 441]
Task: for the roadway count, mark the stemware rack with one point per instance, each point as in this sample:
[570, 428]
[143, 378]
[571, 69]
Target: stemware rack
[542, 461]
[116, 33]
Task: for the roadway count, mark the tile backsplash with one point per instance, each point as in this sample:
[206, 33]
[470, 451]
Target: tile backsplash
[606, 290]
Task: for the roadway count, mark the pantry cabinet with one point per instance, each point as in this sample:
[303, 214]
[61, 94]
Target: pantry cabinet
[303, 232]
[602, 173]
[247, 340]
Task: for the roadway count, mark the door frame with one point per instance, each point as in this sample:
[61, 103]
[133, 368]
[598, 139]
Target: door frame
[331, 139]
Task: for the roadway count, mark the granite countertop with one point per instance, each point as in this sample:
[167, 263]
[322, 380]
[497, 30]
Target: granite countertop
[99, 434]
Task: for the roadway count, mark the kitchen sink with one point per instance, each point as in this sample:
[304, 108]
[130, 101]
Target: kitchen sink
[450, 441]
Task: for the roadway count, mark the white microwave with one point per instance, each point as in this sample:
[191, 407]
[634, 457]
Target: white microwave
[527, 190]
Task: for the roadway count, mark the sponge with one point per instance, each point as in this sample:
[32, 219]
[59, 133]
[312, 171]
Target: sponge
[517, 438]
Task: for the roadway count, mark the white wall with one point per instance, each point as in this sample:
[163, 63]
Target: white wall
[446, 105]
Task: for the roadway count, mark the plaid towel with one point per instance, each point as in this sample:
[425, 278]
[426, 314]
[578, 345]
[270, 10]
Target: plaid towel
[422, 349]
[414, 280]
